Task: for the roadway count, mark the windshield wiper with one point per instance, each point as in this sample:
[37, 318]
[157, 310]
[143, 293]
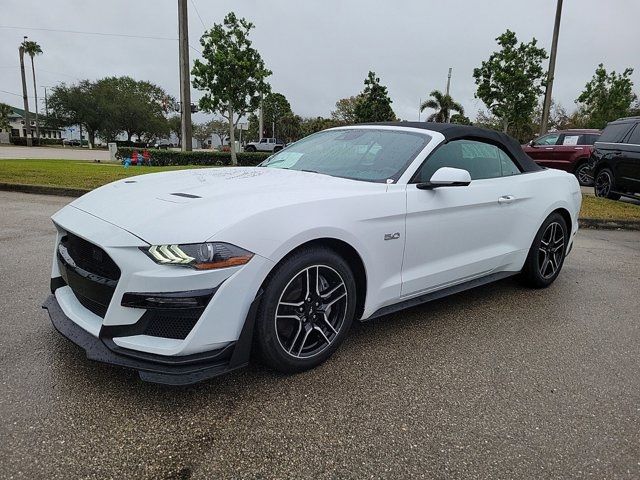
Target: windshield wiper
[309, 171]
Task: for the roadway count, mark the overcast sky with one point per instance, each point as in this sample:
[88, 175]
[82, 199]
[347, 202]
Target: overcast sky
[321, 50]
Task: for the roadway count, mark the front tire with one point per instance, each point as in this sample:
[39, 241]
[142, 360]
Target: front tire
[307, 308]
[547, 253]
[604, 185]
[250, 148]
[582, 174]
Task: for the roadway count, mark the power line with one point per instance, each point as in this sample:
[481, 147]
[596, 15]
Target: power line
[198, 13]
[78, 32]
[12, 93]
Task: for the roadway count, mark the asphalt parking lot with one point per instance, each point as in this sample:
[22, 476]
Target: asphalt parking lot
[498, 382]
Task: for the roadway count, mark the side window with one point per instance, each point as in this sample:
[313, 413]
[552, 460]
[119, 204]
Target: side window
[264, 140]
[481, 160]
[550, 139]
[272, 140]
[572, 140]
[635, 135]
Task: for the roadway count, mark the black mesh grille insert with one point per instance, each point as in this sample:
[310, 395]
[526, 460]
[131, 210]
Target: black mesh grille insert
[91, 305]
[170, 323]
[90, 257]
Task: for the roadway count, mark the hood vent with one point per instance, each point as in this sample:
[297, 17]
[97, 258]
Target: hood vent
[185, 195]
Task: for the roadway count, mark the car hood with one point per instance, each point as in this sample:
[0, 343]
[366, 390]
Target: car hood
[190, 206]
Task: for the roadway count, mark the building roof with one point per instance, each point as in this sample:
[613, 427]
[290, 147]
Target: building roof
[453, 131]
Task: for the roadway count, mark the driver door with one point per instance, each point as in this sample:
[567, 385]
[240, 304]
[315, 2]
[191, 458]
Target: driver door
[458, 233]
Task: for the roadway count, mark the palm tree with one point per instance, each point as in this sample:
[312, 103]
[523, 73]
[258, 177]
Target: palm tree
[32, 49]
[443, 105]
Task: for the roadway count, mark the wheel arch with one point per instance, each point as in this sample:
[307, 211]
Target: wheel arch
[348, 253]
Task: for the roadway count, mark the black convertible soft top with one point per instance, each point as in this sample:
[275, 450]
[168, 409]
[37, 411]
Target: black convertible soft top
[452, 131]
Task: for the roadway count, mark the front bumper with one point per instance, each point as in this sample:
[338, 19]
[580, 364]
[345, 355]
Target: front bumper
[181, 370]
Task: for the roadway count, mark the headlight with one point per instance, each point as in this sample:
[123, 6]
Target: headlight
[201, 256]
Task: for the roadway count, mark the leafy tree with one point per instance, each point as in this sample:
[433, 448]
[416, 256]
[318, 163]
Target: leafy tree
[460, 119]
[345, 111]
[32, 49]
[374, 104]
[511, 80]
[443, 105]
[275, 107]
[87, 104]
[290, 127]
[174, 124]
[232, 73]
[138, 107]
[313, 125]
[5, 111]
[202, 132]
[606, 97]
[220, 129]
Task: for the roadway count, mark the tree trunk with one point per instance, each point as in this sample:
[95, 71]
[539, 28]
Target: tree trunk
[129, 135]
[232, 139]
[35, 93]
[91, 135]
[505, 125]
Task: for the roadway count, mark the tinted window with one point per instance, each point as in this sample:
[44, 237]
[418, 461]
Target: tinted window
[635, 136]
[615, 132]
[550, 139]
[590, 139]
[481, 160]
[360, 154]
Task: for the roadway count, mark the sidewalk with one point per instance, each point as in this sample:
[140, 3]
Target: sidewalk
[67, 153]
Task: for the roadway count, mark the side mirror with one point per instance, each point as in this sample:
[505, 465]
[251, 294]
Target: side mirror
[532, 143]
[447, 177]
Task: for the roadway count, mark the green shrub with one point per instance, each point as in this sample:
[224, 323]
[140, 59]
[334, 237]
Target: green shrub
[162, 158]
[43, 141]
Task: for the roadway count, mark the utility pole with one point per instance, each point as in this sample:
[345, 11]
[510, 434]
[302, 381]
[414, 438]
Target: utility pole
[46, 102]
[185, 78]
[27, 121]
[419, 109]
[552, 67]
[260, 120]
[447, 91]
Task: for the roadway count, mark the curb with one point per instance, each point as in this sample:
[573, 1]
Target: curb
[43, 189]
[602, 224]
[591, 223]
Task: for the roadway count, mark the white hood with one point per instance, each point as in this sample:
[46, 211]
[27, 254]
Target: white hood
[208, 199]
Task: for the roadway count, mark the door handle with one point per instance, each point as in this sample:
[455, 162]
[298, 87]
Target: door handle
[506, 199]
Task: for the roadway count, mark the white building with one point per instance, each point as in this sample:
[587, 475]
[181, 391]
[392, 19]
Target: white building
[18, 127]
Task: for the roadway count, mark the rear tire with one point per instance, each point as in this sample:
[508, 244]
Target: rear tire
[582, 174]
[307, 308]
[277, 149]
[547, 253]
[604, 185]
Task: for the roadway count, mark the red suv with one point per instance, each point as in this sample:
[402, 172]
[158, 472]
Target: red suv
[567, 150]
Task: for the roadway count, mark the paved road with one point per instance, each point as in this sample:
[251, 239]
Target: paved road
[69, 153]
[499, 382]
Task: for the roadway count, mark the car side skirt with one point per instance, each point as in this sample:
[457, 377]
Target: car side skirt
[445, 292]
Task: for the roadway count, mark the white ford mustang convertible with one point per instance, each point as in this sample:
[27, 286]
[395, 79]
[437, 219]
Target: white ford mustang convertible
[181, 275]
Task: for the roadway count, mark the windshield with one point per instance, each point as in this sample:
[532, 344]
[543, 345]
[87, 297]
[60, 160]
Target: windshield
[360, 154]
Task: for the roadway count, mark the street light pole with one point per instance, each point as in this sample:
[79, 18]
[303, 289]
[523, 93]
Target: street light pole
[27, 121]
[552, 66]
[185, 79]
[447, 92]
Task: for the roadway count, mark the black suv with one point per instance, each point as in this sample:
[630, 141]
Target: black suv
[615, 160]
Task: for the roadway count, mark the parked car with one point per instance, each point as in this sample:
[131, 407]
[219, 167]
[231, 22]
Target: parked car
[265, 145]
[348, 224]
[161, 144]
[72, 142]
[615, 161]
[567, 150]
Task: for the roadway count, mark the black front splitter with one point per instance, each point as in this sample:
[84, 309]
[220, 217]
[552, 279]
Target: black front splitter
[155, 368]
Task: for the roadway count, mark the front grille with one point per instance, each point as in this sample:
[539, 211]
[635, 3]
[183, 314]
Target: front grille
[90, 273]
[170, 323]
[90, 257]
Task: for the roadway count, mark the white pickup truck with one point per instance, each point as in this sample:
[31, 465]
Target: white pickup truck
[265, 145]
